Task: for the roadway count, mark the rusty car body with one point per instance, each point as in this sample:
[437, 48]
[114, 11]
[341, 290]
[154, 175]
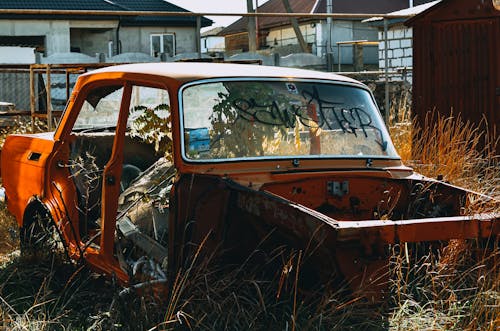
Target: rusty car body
[150, 160]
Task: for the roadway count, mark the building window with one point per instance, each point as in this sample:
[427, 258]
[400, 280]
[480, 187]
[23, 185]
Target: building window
[162, 43]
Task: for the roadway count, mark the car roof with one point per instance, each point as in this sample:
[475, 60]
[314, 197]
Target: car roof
[190, 71]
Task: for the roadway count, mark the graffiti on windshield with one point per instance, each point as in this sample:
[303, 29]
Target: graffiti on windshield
[318, 112]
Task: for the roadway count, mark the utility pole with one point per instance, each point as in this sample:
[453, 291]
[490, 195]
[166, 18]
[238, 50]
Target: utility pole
[252, 36]
[296, 28]
[198, 36]
[329, 10]
[329, 41]
[257, 41]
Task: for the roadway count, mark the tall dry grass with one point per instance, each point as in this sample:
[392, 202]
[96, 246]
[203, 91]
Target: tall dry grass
[22, 125]
[451, 288]
[459, 152]
[53, 295]
[9, 237]
[250, 296]
[456, 285]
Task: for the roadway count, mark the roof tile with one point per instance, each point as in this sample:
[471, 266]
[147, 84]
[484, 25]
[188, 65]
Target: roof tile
[112, 5]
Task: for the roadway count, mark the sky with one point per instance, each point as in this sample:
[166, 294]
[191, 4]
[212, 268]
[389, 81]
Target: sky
[216, 6]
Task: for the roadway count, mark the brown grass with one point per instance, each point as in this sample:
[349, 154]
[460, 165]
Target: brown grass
[453, 149]
[8, 235]
[453, 286]
[254, 297]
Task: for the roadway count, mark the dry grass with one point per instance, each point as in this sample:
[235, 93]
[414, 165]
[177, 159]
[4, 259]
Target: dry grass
[449, 148]
[8, 235]
[52, 295]
[454, 286]
[22, 125]
[453, 150]
[262, 297]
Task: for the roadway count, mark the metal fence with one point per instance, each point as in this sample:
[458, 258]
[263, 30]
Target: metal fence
[39, 90]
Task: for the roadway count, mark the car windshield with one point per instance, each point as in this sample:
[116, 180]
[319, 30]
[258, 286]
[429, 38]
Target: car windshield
[230, 120]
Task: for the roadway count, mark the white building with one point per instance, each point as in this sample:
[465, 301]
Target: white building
[211, 42]
[399, 44]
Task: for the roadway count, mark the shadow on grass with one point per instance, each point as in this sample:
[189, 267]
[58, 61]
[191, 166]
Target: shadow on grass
[56, 295]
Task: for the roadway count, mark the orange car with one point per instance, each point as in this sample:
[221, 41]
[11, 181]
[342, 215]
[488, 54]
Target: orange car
[150, 160]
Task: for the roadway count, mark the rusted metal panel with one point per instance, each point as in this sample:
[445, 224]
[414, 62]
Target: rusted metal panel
[242, 220]
[425, 229]
[456, 66]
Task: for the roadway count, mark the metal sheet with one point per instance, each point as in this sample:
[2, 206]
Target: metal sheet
[456, 62]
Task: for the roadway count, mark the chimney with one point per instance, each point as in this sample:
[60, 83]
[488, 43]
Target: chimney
[410, 3]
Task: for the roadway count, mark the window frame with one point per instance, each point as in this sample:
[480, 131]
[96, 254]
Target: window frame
[162, 44]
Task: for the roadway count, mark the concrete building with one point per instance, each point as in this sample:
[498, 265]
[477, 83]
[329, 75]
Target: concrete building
[85, 31]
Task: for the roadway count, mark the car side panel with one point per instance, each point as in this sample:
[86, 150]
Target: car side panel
[23, 163]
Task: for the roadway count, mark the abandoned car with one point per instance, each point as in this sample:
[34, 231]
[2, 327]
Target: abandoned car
[151, 160]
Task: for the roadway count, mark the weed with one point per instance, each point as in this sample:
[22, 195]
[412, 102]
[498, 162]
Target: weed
[9, 236]
[456, 285]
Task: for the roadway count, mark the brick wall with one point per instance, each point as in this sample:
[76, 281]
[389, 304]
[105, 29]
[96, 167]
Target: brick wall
[399, 49]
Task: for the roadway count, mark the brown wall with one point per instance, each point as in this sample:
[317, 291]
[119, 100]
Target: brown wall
[237, 42]
[456, 61]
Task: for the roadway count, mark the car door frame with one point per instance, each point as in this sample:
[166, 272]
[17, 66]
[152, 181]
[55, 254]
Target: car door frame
[102, 259]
